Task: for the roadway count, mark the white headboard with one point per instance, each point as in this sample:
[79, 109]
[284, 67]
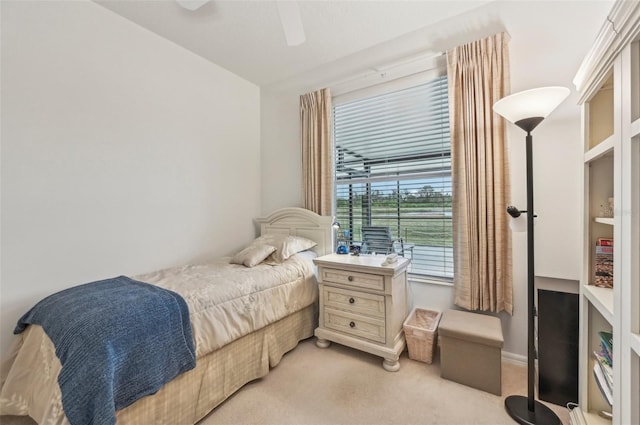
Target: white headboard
[300, 222]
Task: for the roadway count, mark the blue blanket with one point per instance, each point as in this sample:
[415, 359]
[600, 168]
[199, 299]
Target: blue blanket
[117, 340]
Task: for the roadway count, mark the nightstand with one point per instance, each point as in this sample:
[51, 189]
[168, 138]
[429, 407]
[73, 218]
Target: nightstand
[363, 304]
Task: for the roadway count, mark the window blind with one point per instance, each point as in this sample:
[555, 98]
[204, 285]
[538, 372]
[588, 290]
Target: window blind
[393, 168]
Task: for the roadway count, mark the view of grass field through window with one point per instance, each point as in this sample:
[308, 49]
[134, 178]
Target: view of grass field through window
[393, 169]
[421, 217]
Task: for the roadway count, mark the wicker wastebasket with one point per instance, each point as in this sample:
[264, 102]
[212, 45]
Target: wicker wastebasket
[421, 333]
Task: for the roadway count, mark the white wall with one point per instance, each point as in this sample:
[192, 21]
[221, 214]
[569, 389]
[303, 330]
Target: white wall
[281, 173]
[543, 34]
[121, 153]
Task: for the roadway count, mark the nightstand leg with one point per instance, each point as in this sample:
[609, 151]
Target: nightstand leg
[323, 343]
[391, 365]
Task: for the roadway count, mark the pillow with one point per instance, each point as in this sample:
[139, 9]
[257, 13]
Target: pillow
[285, 245]
[307, 255]
[253, 255]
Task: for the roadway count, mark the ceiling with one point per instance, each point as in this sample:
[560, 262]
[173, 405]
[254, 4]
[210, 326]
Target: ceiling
[356, 39]
[246, 37]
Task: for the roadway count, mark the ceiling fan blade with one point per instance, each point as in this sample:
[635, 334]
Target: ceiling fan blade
[291, 22]
[192, 4]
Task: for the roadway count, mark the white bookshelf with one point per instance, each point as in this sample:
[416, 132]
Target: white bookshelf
[601, 299]
[601, 149]
[635, 343]
[635, 127]
[604, 220]
[608, 83]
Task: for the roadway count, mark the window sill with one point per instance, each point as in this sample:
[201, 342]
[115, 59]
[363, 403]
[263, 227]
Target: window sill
[429, 280]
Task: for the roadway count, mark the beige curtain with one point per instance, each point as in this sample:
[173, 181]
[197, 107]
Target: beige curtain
[317, 151]
[478, 75]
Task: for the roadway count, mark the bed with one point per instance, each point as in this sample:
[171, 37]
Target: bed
[239, 330]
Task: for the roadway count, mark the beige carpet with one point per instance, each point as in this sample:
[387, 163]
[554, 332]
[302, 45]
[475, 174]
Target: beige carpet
[340, 385]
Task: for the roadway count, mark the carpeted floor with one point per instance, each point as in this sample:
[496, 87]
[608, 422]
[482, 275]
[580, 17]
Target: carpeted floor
[339, 385]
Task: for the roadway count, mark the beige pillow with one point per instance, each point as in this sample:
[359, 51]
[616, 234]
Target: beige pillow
[253, 255]
[286, 246]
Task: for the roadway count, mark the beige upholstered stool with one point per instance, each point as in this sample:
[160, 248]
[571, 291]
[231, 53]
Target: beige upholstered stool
[471, 350]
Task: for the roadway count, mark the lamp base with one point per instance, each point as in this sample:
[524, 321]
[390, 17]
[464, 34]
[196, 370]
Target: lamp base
[517, 406]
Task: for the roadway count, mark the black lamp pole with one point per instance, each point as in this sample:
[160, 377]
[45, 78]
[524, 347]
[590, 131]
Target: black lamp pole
[527, 109]
[531, 353]
[526, 410]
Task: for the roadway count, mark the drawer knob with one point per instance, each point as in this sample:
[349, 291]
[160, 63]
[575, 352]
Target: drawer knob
[352, 324]
[351, 300]
[350, 278]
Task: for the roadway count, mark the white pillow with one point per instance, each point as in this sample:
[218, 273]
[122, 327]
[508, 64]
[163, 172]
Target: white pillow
[253, 255]
[285, 245]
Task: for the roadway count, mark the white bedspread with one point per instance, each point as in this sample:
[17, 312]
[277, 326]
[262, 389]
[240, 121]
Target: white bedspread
[227, 301]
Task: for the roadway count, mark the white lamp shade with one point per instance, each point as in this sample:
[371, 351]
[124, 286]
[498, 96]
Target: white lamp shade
[538, 102]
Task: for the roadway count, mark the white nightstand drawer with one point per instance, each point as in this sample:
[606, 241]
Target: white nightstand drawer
[357, 279]
[355, 324]
[354, 301]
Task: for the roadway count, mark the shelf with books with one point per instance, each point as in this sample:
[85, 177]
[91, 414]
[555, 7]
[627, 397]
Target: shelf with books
[599, 205]
[608, 84]
[599, 397]
[603, 366]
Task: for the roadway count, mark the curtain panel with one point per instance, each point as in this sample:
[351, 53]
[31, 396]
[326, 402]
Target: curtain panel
[478, 75]
[317, 151]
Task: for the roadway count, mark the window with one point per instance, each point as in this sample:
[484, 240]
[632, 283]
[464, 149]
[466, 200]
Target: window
[393, 169]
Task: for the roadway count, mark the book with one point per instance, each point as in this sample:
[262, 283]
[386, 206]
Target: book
[604, 242]
[602, 384]
[606, 355]
[606, 338]
[604, 250]
[603, 263]
[607, 370]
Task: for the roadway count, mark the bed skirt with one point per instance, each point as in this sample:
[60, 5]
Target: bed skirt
[185, 400]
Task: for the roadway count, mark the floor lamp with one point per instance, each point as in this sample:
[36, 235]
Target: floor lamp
[527, 109]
